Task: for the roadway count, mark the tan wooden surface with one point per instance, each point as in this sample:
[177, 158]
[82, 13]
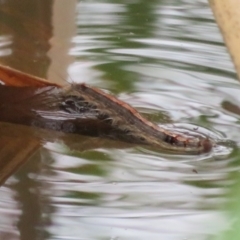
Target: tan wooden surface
[227, 15]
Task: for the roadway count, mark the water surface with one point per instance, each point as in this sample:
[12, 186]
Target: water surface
[167, 59]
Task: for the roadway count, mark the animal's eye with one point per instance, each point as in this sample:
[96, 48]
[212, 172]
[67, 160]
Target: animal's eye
[142, 139]
[126, 130]
[69, 101]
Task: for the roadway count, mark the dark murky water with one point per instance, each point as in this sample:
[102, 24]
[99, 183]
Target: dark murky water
[167, 58]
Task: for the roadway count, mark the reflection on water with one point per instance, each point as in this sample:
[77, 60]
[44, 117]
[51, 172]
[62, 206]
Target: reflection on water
[166, 58]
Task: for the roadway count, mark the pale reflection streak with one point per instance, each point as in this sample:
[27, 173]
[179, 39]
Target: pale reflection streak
[5, 45]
